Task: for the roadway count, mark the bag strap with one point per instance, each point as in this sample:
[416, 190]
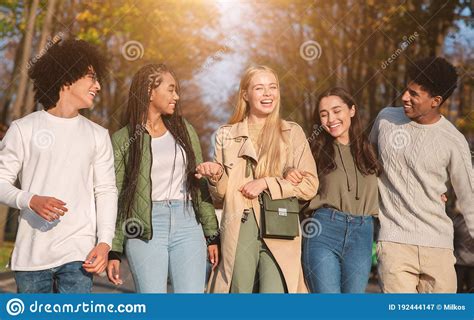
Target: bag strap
[250, 168]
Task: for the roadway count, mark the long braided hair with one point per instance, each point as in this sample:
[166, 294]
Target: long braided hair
[144, 81]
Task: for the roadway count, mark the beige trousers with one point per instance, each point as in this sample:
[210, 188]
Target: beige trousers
[405, 268]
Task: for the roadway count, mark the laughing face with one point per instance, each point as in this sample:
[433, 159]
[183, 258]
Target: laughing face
[164, 97]
[335, 117]
[83, 91]
[262, 94]
[419, 105]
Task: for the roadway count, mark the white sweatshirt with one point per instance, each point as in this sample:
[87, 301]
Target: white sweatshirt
[71, 160]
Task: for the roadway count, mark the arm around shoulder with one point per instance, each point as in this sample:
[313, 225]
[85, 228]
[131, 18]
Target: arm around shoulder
[462, 179]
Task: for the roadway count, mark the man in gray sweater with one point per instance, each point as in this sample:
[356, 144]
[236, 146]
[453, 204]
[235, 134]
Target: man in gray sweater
[420, 150]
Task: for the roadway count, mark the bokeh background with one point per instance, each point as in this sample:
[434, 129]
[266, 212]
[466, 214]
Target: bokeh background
[361, 45]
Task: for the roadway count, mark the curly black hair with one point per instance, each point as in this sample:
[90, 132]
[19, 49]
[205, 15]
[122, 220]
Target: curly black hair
[434, 74]
[63, 64]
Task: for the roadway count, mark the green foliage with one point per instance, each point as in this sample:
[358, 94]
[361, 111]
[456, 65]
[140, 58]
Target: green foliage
[361, 45]
[5, 253]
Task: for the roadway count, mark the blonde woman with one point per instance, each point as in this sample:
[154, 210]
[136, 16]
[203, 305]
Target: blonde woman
[256, 134]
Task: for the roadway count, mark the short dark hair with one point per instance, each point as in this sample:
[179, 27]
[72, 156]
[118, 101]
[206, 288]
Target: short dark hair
[434, 74]
[63, 64]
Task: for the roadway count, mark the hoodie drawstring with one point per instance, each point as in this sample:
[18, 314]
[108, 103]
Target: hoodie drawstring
[347, 176]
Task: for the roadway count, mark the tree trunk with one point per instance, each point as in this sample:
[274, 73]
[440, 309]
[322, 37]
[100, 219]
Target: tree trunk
[20, 94]
[29, 105]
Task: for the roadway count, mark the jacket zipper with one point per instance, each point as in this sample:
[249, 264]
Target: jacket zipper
[149, 181]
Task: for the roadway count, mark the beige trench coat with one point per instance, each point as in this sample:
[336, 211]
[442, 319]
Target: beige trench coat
[232, 146]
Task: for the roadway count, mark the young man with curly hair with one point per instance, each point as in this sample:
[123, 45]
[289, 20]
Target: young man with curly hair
[64, 162]
[420, 151]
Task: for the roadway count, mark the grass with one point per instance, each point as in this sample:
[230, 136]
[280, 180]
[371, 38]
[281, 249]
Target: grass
[5, 252]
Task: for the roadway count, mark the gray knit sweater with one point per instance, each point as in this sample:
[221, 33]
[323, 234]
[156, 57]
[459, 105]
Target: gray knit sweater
[418, 160]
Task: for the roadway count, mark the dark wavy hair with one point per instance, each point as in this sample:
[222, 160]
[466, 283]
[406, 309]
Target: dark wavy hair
[143, 82]
[362, 151]
[63, 64]
[434, 74]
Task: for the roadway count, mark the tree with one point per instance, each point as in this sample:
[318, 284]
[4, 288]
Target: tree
[364, 46]
[45, 34]
[27, 47]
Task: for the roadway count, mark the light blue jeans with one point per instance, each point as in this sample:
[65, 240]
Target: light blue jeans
[177, 249]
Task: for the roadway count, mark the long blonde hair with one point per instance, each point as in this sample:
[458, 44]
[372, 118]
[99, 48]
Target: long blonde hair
[271, 151]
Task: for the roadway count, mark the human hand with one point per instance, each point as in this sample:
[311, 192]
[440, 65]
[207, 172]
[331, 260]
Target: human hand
[211, 170]
[252, 189]
[295, 176]
[48, 208]
[97, 259]
[213, 254]
[113, 272]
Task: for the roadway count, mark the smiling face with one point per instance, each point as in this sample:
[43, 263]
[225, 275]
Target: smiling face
[82, 92]
[262, 94]
[335, 116]
[163, 98]
[419, 105]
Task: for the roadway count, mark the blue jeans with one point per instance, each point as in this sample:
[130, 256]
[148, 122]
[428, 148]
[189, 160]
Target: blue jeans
[177, 249]
[68, 278]
[337, 258]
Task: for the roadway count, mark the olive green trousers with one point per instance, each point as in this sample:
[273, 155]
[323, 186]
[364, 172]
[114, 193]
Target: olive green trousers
[255, 268]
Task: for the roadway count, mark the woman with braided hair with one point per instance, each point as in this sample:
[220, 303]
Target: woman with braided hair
[164, 211]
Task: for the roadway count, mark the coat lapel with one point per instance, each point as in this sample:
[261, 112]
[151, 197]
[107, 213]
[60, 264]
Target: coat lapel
[240, 133]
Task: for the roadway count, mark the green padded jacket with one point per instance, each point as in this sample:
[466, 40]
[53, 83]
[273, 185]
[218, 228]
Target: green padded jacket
[139, 225]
